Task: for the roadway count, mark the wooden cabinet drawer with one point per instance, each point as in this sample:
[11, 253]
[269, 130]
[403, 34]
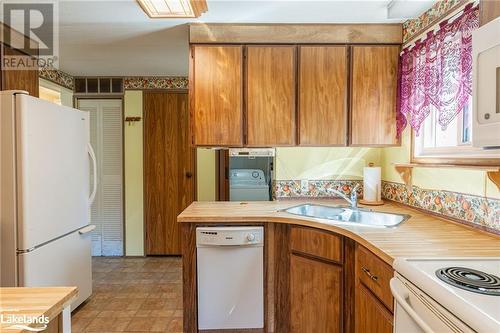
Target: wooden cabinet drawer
[374, 274]
[316, 243]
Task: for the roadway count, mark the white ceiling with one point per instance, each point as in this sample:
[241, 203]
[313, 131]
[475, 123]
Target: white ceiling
[115, 37]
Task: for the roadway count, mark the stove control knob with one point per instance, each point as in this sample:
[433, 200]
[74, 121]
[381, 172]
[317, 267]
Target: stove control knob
[250, 237]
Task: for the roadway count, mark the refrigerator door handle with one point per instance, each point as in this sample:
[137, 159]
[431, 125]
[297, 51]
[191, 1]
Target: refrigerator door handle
[86, 230]
[94, 170]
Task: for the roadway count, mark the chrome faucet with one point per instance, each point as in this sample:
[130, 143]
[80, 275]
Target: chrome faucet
[354, 197]
[353, 201]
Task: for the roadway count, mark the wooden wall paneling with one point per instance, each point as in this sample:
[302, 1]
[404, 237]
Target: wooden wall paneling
[270, 276]
[270, 95]
[282, 278]
[315, 296]
[373, 95]
[349, 285]
[323, 86]
[22, 79]
[168, 170]
[222, 174]
[488, 11]
[295, 33]
[217, 95]
[189, 287]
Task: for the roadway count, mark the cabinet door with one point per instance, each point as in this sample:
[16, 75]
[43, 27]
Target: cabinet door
[217, 95]
[371, 314]
[271, 95]
[323, 95]
[315, 296]
[373, 103]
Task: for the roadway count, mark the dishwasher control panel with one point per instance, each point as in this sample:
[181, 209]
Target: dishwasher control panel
[224, 236]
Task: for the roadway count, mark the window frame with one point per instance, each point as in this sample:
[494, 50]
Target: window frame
[448, 158]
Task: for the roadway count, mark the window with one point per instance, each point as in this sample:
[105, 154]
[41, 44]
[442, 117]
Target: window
[452, 144]
[435, 83]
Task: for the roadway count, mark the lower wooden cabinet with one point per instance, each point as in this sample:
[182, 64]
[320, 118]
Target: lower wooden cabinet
[315, 296]
[371, 314]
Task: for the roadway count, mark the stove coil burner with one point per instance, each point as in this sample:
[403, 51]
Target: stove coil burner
[470, 279]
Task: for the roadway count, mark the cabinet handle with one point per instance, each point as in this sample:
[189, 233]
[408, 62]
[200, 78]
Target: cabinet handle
[370, 275]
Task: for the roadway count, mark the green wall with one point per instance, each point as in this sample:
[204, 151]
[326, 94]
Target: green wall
[461, 180]
[205, 175]
[323, 162]
[134, 210]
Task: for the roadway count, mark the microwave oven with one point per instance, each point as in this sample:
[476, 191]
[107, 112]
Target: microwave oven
[486, 85]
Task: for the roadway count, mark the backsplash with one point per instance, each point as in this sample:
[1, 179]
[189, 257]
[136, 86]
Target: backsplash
[315, 188]
[476, 211]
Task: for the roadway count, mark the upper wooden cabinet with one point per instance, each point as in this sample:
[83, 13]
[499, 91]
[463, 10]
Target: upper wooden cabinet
[270, 95]
[216, 88]
[287, 95]
[323, 86]
[373, 95]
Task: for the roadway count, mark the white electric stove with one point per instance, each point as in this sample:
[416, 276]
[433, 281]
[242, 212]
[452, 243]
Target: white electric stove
[446, 295]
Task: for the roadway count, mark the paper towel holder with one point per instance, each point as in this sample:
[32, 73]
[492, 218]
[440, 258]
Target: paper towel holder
[371, 202]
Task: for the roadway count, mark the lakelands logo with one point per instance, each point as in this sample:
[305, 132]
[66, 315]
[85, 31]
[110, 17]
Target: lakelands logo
[31, 29]
[23, 322]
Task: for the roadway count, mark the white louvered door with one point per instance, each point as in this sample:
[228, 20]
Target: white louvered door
[107, 139]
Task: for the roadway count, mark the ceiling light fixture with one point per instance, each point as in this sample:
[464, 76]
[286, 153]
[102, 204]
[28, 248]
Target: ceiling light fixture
[173, 8]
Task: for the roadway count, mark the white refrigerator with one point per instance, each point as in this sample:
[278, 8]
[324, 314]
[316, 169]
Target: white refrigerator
[45, 197]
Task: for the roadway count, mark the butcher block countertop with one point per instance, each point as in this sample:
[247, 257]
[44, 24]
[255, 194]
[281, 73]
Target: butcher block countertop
[33, 303]
[422, 235]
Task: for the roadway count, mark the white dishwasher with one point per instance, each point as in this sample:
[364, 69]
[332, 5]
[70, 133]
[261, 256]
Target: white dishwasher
[230, 270]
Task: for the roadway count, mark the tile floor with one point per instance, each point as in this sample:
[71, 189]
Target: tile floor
[133, 295]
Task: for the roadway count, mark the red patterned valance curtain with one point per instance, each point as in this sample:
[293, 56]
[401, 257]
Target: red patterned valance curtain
[437, 73]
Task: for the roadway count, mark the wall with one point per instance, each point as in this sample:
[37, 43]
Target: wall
[65, 95]
[323, 163]
[134, 210]
[467, 181]
[134, 201]
[205, 174]
[322, 168]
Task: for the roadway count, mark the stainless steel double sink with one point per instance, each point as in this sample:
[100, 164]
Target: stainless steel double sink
[349, 215]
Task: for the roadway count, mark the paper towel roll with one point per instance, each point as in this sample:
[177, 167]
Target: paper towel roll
[371, 184]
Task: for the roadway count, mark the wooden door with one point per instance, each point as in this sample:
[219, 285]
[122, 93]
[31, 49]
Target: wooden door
[23, 79]
[217, 95]
[315, 296]
[270, 95]
[371, 314]
[323, 72]
[168, 170]
[373, 91]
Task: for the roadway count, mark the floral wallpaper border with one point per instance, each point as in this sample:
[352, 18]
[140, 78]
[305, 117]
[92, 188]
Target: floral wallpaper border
[59, 77]
[477, 211]
[316, 188]
[439, 9]
[474, 210]
[155, 82]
